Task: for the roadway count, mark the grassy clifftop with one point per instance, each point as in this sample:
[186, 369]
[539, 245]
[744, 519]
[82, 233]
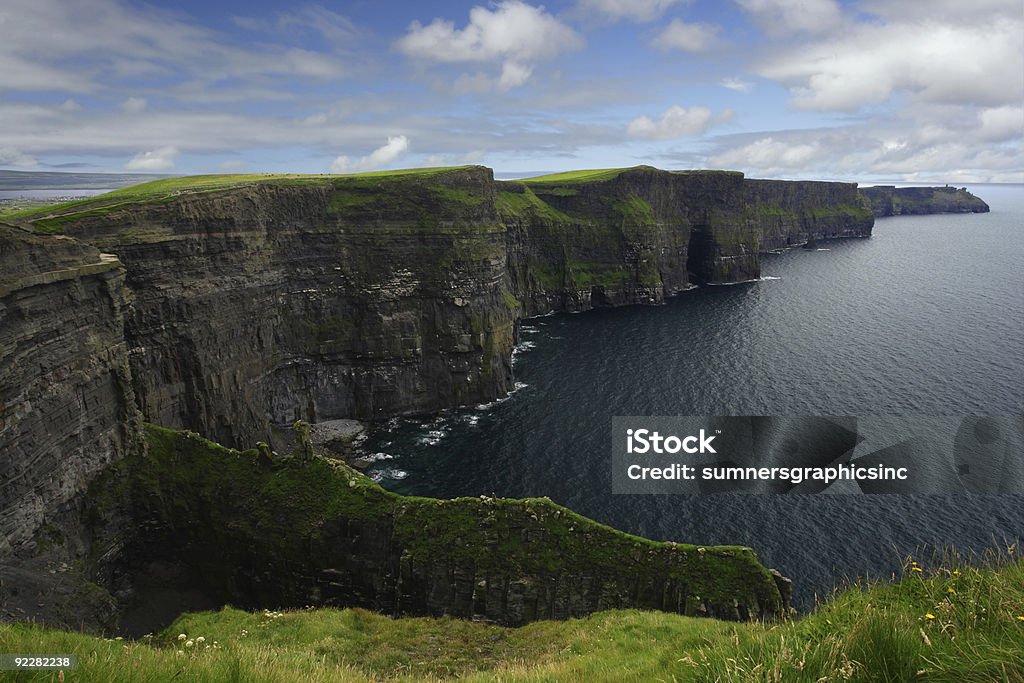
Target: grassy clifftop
[165, 190]
[950, 623]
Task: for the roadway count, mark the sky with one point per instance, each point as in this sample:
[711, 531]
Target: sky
[867, 91]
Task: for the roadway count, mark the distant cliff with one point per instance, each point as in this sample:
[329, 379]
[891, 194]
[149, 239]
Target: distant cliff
[889, 200]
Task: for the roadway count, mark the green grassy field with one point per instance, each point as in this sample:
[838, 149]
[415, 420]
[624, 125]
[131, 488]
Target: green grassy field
[952, 622]
[157, 190]
[583, 176]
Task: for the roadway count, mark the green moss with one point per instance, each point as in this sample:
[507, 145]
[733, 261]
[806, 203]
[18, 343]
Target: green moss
[856, 211]
[527, 205]
[634, 209]
[584, 275]
[284, 511]
[510, 299]
[458, 196]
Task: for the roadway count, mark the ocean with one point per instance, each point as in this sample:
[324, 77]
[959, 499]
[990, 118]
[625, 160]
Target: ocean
[926, 317]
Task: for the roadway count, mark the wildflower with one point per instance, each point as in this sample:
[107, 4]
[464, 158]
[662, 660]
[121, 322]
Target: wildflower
[916, 569]
[181, 653]
[956, 572]
[189, 643]
[182, 636]
[950, 590]
[1020, 618]
[929, 616]
[200, 639]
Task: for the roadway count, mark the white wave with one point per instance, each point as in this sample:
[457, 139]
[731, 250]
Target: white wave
[763, 278]
[487, 406]
[823, 250]
[472, 420]
[388, 473]
[376, 457]
[433, 437]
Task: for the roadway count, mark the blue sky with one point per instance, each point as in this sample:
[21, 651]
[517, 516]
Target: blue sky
[912, 90]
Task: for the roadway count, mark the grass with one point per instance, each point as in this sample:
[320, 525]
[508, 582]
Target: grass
[951, 622]
[167, 188]
[582, 176]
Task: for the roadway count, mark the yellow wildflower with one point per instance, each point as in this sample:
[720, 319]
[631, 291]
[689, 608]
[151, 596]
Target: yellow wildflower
[916, 569]
[950, 590]
[929, 616]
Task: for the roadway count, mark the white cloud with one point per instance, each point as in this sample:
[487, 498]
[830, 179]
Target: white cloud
[1001, 123]
[333, 27]
[948, 146]
[737, 84]
[394, 149]
[676, 122]
[160, 159]
[134, 105]
[475, 156]
[679, 35]
[513, 75]
[768, 154]
[977, 63]
[53, 45]
[513, 33]
[633, 10]
[13, 157]
[785, 17]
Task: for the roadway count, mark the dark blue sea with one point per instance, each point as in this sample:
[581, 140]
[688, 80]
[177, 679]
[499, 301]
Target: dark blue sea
[926, 317]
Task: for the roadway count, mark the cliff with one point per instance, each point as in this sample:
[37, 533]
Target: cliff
[889, 200]
[264, 301]
[235, 305]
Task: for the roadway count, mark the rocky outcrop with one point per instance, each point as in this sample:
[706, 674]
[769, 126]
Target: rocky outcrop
[280, 531]
[889, 200]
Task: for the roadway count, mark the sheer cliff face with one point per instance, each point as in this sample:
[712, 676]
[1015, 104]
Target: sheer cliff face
[66, 405]
[364, 297]
[271, 303]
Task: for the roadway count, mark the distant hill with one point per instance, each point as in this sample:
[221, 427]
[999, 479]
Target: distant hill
[53, 180]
